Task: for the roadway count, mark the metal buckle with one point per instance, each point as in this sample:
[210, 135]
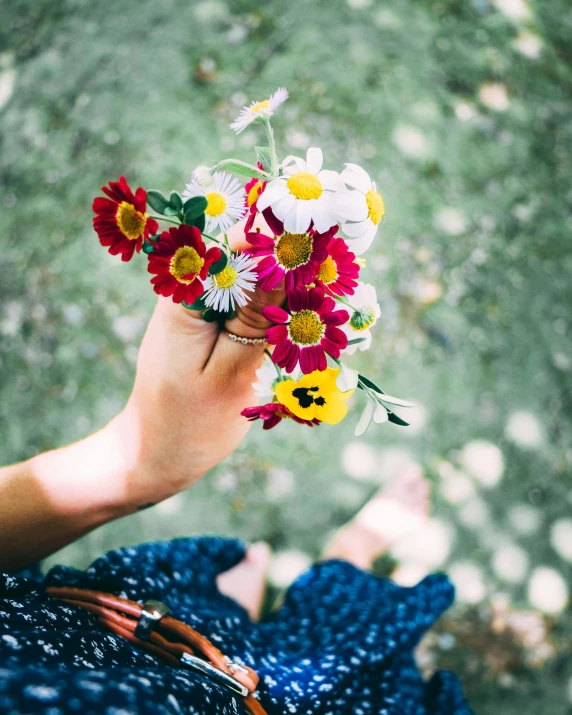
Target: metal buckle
[151, 614]
[219, 676]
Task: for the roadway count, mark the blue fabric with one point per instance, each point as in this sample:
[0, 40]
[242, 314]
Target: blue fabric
[341, 643]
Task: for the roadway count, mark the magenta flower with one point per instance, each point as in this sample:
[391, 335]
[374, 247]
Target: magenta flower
[308, 332]
[297, 257]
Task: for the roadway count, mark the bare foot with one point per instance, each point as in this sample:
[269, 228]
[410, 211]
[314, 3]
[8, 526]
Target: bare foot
[393, 513]
[246, 582]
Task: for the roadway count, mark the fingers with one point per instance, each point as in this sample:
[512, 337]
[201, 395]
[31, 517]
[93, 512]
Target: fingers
[249, 321]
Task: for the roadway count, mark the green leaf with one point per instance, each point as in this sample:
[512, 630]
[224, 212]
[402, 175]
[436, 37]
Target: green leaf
[219, 265]
[157, 201]
[199, 304]
[368, 383]
[194, 207]
[176, 201]
[356, 341]
[170, 211]
[199, 222]
[392, 417]
[147, 247]
[210, 315]
[264, 156]
[243, 170]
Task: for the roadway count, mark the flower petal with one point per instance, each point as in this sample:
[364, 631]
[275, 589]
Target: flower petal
[350, 206]
[274, 191]
[275, 314]
[356, 177]
[314, 160]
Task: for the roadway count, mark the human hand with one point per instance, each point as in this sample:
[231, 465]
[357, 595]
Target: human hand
[183, 416]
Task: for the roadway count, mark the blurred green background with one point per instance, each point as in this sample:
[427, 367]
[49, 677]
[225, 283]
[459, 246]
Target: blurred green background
[462, 112]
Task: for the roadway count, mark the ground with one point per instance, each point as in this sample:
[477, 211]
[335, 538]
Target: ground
[461, 112]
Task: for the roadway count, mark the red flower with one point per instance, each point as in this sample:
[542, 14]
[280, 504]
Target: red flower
[308, 332]
[253, 190]
[272, 414]
[338, 274]
[181, 262]
[294, 256]
[121, 222]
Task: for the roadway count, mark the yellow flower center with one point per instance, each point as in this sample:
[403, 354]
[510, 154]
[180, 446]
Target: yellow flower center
[253, 193]
[328, 272]
[305, 186]
[259, 106]
[226, 278]
[363, 318]
[185, 264]
[293, 250]
[306, 328]
[131, 222]
[216, 204]
[375, 206]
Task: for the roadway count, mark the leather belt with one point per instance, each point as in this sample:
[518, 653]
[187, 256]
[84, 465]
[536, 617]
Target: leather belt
[149, 627]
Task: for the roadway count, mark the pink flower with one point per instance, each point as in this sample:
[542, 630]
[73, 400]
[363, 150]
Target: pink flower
[339, 272]
[254, 189]
[294, 256]
[273, 413]
[308, 332]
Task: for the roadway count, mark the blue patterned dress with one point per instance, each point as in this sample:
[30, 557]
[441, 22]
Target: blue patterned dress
[341, 643]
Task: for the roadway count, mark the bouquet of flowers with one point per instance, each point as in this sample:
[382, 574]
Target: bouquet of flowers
[316, 224]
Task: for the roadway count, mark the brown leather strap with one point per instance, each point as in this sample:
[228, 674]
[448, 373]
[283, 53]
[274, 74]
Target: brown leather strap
[121, 616]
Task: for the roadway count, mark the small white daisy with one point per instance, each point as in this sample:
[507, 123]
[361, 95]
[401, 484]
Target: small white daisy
[225, 290]
[259, 110]
[303, 194]
[365, 313]
[225, 198]
[363, 208]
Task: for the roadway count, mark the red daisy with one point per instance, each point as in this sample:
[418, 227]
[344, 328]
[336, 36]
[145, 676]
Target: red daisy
[308, 332]
[273, 413]
[338, 274]
[121, 222]
[181, 261]
[253, 190]
[294, 256]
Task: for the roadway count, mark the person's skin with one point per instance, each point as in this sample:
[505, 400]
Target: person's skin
[182, 419]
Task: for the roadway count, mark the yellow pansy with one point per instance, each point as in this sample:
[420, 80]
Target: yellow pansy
[315, 396]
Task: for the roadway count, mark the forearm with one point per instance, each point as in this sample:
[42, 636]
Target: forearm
[56, 497]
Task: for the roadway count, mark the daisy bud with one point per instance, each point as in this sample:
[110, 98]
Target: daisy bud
[202, 176]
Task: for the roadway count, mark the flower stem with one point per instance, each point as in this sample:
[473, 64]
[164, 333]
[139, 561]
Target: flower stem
[278, 370]
[164, 218]
[271, 146]
[339, 299]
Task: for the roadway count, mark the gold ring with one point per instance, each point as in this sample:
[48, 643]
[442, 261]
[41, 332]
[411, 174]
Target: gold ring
[246, 341]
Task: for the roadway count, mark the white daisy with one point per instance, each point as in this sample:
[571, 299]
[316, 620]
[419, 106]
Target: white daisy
[303, 194]
[365, 313]
[259, 110]
[225, 290]
[363, 208]
[225, 201]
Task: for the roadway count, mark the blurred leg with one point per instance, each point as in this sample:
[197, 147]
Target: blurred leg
[246, 582]
[393, 513]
